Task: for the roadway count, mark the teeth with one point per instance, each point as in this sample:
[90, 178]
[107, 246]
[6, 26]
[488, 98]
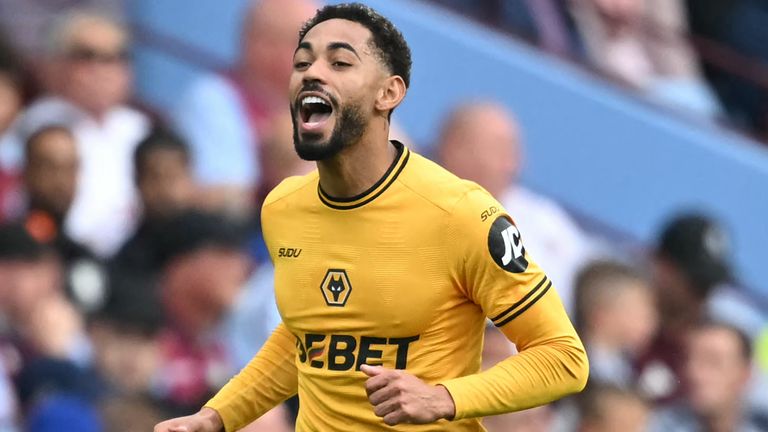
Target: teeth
[313, 99]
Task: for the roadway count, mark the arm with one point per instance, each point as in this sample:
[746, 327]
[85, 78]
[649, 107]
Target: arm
[491, 265]
[498, 274]
[551, 364]
[270, 378]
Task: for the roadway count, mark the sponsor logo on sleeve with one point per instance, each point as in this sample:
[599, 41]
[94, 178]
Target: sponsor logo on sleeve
[506, 246]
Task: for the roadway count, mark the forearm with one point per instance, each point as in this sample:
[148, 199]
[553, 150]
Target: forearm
[270, 378]
[536, 376]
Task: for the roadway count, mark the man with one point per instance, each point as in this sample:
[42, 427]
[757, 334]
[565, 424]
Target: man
[481, 142]
[617, 319]
[693, 281]
[386, 267]
[226, 118]
[716, 372]
[163, 176]
[90, 82]
[50, 177]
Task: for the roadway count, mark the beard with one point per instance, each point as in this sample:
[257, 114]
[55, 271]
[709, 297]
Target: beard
[350, 126]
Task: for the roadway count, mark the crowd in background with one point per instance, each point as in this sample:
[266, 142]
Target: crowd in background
[134, 281]
[656, 47]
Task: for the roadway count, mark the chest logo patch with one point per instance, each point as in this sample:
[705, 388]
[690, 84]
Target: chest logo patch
[506, 246]
[336, 287]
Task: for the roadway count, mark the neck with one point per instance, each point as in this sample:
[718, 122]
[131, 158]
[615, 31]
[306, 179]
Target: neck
[358, 167]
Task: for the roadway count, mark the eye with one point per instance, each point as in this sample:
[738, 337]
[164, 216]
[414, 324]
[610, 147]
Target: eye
[301, 65]
[340, 64]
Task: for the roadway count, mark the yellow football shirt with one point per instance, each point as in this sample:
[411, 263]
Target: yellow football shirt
[403, 276]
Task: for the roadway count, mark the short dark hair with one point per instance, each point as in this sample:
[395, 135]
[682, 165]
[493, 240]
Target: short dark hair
[158, 139]
[387, 41]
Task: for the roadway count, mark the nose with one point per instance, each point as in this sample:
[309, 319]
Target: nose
[314, 73]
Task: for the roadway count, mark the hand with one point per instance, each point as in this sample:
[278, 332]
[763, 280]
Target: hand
[399, 397]
[206, 420]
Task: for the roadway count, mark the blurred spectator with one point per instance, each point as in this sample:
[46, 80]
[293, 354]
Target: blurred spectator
[27, 22]
[91, 79]
[617, 319]
[643, 43]
[10, 106]
[41, 322]
[205, 267]
[693, 280]
[227, 117]
[126, 340]
[42, 339]
[607, 408]
[50, 172]
[716, 372]
[161, 169]
[217, 321]
[481, 142]
[496, 347]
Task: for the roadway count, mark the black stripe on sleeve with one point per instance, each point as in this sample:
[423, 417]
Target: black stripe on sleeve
[521, 301]
[525, 308]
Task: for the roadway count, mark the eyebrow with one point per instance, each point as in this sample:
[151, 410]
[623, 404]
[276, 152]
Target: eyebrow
[331, 47]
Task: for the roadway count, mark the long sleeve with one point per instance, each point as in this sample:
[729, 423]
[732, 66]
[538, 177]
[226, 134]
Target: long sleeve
[496, 272]
[551, 364]
[270, 378]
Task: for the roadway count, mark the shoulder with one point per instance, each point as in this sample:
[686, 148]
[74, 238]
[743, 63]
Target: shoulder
[440, 187]
[48, 110]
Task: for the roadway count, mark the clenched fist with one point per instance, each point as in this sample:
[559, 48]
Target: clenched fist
[399, 397]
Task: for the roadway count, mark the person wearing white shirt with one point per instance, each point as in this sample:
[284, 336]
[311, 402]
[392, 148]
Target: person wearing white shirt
[89, 83]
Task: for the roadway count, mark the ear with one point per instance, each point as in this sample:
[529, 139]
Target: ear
[391, 94]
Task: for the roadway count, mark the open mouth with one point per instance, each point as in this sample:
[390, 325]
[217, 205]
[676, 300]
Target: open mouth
[314, 111]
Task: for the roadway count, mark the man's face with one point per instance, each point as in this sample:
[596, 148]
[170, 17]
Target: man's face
[334, 85]
[482, 145]
[51, 172]
[165, 183]
[716, 372]
[212, 276]
[94, 72]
